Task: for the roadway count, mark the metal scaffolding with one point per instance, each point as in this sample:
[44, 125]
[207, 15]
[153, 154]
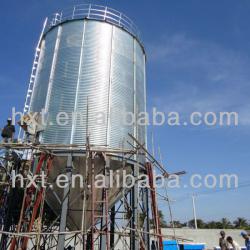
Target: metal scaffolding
[27, 221]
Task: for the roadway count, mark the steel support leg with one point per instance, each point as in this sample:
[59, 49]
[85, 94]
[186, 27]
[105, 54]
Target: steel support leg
[146, 225]
[104, 237]
[65, 204]
[112, 228]
[134, 238]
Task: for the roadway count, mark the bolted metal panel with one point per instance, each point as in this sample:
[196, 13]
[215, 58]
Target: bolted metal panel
[122, 87]
[44, 67]
[140, 92]
[63, 84]
[93, 71]
[93, 92]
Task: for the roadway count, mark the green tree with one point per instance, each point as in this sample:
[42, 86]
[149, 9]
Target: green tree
[163, 223]
[200, 224]
[241, 223]
[219, 225]
[225, 223]
[177, 224]
[211, 225]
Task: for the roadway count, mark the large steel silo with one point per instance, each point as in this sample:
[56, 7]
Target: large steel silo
[91, 63]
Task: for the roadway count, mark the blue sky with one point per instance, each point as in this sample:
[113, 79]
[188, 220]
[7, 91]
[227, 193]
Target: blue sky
[197, 60]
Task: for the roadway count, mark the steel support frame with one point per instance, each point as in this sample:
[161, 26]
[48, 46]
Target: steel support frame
[134, 197]
[65, 204]
[134, 237]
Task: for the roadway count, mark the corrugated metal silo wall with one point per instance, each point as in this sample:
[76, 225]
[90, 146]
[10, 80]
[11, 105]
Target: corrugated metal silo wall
[90, 62]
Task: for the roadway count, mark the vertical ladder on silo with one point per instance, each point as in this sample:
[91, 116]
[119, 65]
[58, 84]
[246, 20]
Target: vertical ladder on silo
[27, 102]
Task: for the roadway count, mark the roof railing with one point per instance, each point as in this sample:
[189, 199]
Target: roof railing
[95, 12]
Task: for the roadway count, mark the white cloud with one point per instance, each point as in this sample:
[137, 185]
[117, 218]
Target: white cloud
[200, 75]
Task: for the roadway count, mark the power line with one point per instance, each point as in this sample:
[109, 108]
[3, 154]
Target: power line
[203, 193]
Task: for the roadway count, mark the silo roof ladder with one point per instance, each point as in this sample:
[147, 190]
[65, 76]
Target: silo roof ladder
[27, 103]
